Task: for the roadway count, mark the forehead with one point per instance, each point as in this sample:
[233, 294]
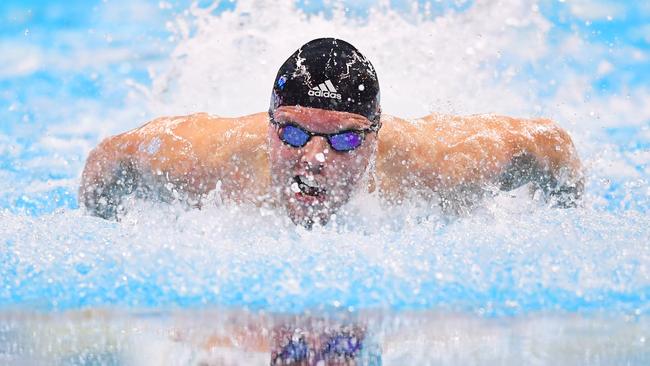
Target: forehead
[321, 120]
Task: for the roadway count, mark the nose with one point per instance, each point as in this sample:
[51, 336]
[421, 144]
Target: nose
[313, 154]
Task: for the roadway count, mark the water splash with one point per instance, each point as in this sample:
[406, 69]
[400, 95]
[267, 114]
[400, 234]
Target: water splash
[503, 260]
[512, 256]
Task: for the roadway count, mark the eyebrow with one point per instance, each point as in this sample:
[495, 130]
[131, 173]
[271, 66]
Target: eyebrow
[349, 124]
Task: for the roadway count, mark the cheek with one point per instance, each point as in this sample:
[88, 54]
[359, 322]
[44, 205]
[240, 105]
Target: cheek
[287, 155]
[350, 165]
[352, 161]
[281, 155]
[362, 157]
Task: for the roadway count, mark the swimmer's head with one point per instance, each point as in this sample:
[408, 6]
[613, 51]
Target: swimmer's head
[330, 74]
[324, 114]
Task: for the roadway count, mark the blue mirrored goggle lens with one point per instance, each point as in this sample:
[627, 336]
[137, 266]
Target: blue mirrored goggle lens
[346, 141]
[294, 136]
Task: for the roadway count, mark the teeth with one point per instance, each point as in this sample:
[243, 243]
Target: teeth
[308, 182]
[306, 185]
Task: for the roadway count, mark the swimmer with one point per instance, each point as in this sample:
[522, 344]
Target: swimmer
[325, 139]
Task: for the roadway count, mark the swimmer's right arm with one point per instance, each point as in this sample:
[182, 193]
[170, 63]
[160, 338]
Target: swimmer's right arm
[110, 173]
[177, 159]
[124, 164]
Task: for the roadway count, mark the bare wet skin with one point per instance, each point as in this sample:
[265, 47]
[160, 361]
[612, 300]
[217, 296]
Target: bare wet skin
[447, 160]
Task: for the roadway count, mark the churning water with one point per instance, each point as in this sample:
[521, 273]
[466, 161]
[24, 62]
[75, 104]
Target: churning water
[514, 282]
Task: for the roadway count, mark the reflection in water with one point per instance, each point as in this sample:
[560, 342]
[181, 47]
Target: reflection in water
[313, 341]
[224, 337]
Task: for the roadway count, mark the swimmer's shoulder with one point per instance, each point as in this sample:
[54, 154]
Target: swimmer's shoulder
[166, 142]
[197, 131]
[486, 127]
[425, 146]
[404, 157]
[199, 126]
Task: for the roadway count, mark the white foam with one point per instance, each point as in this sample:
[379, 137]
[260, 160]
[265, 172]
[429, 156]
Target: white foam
[493, 57]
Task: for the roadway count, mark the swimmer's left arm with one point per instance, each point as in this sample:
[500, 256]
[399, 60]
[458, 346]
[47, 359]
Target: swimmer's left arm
[546, 156]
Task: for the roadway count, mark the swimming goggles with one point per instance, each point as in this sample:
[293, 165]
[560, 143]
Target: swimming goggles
[296, 136]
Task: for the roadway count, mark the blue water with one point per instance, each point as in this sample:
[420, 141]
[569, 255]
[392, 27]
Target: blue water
[73, 73]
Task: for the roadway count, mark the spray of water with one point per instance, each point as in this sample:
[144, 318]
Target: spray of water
[512, 255]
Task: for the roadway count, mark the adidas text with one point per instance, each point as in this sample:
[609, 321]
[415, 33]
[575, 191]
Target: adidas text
[325, 90]
[325, 94]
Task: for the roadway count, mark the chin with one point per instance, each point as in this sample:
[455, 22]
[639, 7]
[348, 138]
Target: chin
[308, 216]
[307, 222]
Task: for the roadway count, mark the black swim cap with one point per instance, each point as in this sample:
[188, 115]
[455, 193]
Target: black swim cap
[328, 73]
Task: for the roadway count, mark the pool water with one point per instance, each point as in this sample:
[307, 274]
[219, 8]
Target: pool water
[513, 282]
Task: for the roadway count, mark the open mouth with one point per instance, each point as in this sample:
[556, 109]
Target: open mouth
[305, 185]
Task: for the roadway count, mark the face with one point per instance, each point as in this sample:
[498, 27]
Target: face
[314, 181]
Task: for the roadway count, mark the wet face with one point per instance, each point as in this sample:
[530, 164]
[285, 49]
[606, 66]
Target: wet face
[314, 181]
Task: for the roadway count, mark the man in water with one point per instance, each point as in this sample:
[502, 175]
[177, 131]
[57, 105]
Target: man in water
[323, 140]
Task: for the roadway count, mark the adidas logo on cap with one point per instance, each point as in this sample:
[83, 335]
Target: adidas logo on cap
[324, 90]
